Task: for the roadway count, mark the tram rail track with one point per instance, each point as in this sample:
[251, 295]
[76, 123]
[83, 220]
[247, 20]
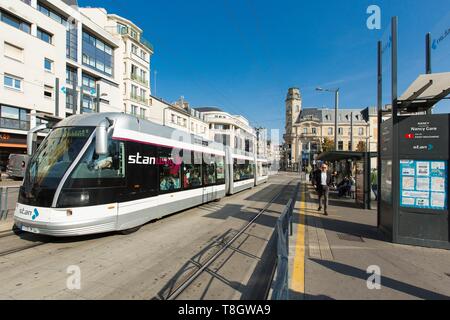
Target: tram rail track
[185, 284]
[19, 249]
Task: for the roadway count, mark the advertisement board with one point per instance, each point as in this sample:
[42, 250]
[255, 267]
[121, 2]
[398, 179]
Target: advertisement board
[423, 184]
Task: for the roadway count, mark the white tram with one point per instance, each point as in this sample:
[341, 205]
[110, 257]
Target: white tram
[113, 172]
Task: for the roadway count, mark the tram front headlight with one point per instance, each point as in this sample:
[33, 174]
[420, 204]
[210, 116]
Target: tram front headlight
[74, 199]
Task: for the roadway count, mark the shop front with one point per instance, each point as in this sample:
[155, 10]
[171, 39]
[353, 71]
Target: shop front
[11, 144]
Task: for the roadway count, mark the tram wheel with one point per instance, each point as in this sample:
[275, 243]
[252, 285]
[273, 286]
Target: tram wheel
[129, 231]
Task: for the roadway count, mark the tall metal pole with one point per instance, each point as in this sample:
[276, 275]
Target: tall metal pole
[351, 132]
[156, 73]
[98, 98]
[336, 120]
[428, 60]
[428, 53]
[395, 131]
[380, 120]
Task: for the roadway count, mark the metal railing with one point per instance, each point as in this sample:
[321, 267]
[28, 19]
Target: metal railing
[139, 99]
[139, 79]
[284, 229]
[8, 200]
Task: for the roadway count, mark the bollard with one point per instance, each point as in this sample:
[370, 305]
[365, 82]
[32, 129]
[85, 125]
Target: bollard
[4, 204]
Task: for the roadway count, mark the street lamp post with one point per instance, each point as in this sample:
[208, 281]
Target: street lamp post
[336, 111]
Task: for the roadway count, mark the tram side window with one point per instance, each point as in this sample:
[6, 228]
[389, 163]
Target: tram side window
[265, 169]
[220, 167]
[209, 170]
[243, 170]
[100, 170]
[193, 171]
[169, 171]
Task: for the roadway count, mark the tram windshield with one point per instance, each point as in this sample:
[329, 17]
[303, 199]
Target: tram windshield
[55, 155]
[51, 161]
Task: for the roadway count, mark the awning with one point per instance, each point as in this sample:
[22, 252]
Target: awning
[344, 155]
[13, 145]
[425, 92]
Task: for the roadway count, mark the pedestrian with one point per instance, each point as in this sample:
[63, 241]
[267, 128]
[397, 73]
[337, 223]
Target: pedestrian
[322, 183]
[352, 187]
[374, 182]
[334, 179]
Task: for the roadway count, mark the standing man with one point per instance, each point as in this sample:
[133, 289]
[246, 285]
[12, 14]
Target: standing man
[322, 182]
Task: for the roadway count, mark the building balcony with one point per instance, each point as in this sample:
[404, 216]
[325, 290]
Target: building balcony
[139, 79]
[309, 135]
[132, 34]
[147, 44]
[139, 99]
[14, 124]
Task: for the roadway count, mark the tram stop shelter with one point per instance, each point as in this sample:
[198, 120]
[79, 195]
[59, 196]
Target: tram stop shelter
[414, 156]
[362, 163]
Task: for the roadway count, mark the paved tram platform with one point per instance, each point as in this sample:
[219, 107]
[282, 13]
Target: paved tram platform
[330, 257]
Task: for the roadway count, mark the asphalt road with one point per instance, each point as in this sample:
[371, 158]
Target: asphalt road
[153, 261]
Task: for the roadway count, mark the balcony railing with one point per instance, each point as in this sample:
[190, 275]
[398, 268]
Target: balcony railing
[139, 99]
[7, 123]
[147, 44]
[142, 40]
[139, 79]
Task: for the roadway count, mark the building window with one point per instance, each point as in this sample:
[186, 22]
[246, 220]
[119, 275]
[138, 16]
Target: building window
[134, 110]
[48, 91]
[134, 70]
[173, 118]
[71, 76]
[350, 146]
[15, 22]
[143, 111]
[72, 41]
[51, 13]
[44, 35]
[361, 131]
[48, 64]
[330, 131]
[134, 49]
[314, 131]
[340, 145]
[305, 130]
[143, 55]
[122, 29]
[12, 82]
[88, 105]
[14, 118]
[341, 131]
[13, 52]
[69, 99]
[133, 34]
[97, 55]
[89, 84]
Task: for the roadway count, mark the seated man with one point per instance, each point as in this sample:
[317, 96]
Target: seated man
[344, 187]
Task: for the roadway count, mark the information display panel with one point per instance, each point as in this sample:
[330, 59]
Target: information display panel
[423, 184]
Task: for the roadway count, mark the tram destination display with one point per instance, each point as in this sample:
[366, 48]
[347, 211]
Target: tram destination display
[423, 184]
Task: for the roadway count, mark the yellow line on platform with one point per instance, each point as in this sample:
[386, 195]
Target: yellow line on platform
[298, 275]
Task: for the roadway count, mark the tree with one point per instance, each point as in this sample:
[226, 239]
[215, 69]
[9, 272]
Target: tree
[361, 147]
[327, 145]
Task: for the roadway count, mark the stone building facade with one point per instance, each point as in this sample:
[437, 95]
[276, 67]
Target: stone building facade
[310, 130]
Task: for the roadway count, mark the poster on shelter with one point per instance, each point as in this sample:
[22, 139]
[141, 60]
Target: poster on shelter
[423, 184]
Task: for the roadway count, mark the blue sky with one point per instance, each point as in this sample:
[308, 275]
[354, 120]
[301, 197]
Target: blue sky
[243, 55]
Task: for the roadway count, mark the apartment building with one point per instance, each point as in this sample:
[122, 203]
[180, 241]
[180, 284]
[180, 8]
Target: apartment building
[230, 130]
[135, 52]
[54, 61]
